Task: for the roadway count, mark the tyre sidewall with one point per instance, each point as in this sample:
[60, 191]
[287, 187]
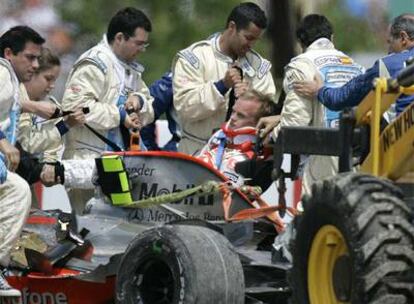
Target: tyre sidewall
[376, 227]
[318, 215]
[148, 247]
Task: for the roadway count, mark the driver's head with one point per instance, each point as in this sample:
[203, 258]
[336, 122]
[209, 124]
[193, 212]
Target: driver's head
[401, 33]
[249, 108]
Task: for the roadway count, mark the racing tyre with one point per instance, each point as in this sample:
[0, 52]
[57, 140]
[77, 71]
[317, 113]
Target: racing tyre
[353, 244]
[180, 264]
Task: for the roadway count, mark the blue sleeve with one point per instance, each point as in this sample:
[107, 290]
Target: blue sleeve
[221, 87]
[62, 128]
[351, 93]
[122, 116]
[172, 122]
[148, 137]
[2, 135]
[171, 145]
[162, 92]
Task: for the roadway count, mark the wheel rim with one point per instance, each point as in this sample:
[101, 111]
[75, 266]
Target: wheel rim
[329, 267]
[155, 282]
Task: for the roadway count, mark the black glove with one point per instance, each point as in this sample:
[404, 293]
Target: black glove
[29, 167]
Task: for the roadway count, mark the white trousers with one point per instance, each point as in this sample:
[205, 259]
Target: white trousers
[15, 200]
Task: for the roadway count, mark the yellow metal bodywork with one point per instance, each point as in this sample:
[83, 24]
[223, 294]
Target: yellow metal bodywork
[114, 164]
[391, 156]
[327, 246]
[392, 150]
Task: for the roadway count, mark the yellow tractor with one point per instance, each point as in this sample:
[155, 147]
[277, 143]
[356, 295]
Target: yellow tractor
[354, 241]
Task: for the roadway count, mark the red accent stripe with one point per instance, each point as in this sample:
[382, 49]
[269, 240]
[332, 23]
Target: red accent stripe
[41, 220]
[57, 274]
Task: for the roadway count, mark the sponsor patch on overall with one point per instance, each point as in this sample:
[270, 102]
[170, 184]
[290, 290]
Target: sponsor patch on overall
[190, 57]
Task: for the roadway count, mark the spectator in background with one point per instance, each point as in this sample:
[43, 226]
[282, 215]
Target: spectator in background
[38, 14]
[42, 17]
[162, 92]
[61, 43]
[9, 15]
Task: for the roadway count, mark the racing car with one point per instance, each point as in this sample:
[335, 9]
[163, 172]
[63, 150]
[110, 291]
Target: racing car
[168, 228]
[163, 227]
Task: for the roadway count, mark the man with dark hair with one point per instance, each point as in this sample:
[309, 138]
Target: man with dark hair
[210, 74]
[126, 21]
[401, 47]
[108, 81]
[335, 68]
[15, 40]
[19, 51]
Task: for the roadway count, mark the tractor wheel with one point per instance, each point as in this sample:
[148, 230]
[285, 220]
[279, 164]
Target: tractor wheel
[353, 244]
[180, 264]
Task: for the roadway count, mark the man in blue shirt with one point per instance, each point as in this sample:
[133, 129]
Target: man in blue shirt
[162, 92]
[401, 48]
